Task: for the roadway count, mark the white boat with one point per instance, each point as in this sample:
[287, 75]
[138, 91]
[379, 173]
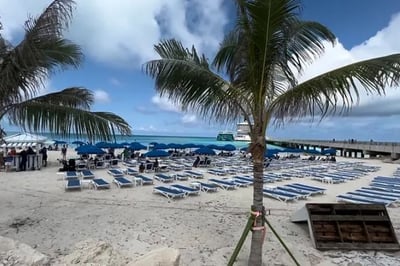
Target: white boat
[242, 132]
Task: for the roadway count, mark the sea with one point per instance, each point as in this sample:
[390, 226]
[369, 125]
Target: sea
[147, 139]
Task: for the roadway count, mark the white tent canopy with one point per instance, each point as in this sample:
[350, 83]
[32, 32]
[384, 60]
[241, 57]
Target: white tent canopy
[23, 140]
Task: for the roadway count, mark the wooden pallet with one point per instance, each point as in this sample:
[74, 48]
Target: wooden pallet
[351, 226]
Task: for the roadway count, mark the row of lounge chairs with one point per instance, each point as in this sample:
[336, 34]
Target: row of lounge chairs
[291, 192]
[99, 183]
[382, 190]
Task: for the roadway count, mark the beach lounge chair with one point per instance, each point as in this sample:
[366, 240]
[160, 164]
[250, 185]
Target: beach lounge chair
[307, 188]
[279, 195]
[224, 184]
[146, 180]
[71, 175]
[164, 178]
[376, 196]
[132, 171]
[121, 181]
[168, 192]
[182, 176]
[188, 190]
[194, 174]
[115, 172]
[100, 183]
[87, 174]
[300, 194]
[361, 199]
[73, 184]
[240, 183]
[206, 187]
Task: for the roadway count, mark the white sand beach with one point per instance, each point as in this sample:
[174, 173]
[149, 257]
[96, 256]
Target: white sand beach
[36, 210]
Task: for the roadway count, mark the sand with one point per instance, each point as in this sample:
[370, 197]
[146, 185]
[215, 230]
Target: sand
[134, 221]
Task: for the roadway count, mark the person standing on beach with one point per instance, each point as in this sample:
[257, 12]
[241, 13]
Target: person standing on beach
[24, 158]
[43, 151]
[64, 152]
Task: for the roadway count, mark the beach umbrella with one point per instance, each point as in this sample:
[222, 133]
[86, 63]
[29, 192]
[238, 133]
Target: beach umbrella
[125, 143]
[137, 146]
[329, 152]
[292, 150]
[78, 142]
[156, 153]
[228, 147]
[312, 152]
[160, 146]
[102, 144]
[175, 146]
[245, 149]
[58, 142]
[89, 149]
[271, 152]
[213, 146]
[204, 151]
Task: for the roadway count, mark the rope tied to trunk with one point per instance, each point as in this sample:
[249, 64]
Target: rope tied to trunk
[263, 228]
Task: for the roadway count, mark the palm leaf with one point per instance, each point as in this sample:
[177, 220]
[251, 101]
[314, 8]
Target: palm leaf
[59, 114]
[186, 78]
[337, 90]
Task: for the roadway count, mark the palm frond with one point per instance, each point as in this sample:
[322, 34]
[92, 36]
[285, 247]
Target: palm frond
[42, 51]
[51, 113]
[185, 77]
[337, 90]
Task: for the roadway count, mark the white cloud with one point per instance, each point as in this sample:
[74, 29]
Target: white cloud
[115, 82]
[165, 104]
[189, 119]
[123, 32]
[384, 42]
[101, 96]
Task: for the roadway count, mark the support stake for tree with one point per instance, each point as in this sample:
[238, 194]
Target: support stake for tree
[246, 231]
[241, 240]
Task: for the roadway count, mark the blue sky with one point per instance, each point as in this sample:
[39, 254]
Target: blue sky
[117, 37]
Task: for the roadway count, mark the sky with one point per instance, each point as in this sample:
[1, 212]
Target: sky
[117, 38]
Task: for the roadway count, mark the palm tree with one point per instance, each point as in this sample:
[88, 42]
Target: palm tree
[25, 67]
[255, 74]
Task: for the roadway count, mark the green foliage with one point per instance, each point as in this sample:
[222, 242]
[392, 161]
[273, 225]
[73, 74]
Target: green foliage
[26, 66]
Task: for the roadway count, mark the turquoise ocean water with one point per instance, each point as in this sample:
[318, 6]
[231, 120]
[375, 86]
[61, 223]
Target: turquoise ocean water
[147, 139]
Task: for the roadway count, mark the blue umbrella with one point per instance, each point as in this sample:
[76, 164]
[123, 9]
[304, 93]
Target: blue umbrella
[175, 146]
[156, 153]
[78, 142]
[312, 152]
[329, 152]
[125, 143]
[204, 151]
[292, 150]
[137, 146]
[160, 146]
[228, 147]
[89, 149]
[214, 147]
[58, 142]
[271, 152]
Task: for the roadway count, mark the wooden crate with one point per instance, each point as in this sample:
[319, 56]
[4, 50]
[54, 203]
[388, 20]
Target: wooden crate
[351, 226]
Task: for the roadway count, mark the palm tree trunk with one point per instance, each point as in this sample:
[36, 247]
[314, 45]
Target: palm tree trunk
[258, 149]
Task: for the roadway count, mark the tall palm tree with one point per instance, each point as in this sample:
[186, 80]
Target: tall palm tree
[255, 74]
[25, 67]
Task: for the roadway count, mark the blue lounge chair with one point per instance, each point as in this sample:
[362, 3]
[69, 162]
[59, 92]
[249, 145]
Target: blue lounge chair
[240, 183]
[188, 190]
[121, 181]
[307, 188]
[244, 178]
[300, 194]
[100, 183]
[362, 199]
[115, 172]
[378, 191]
[223, 183]
[169, 192]
[71, 175]
[194, 174]
[164, 178]
[146, 180]
[73, 184]
[87, 174]
[279, 195]
[206, 187]
[182, 176]
[132, 171]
